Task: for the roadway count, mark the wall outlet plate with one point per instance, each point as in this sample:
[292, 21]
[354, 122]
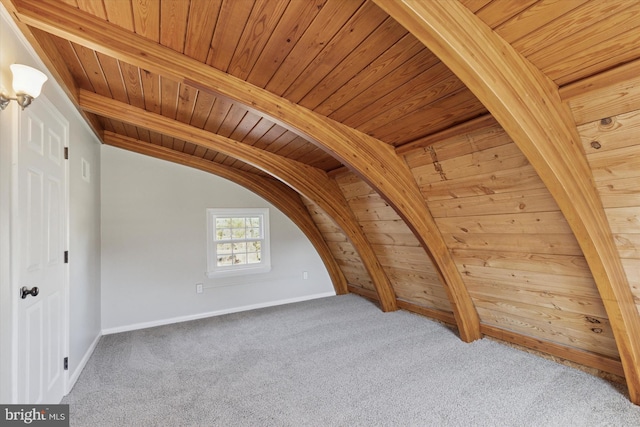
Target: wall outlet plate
[199, 288]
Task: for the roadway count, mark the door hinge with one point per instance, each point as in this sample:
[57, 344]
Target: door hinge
[66, 153]
[66, 257]
[66, 363]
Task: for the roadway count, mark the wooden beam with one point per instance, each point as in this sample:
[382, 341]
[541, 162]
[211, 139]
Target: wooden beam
[307, 180]
[275, 192]
[528, 106]
[373, 160]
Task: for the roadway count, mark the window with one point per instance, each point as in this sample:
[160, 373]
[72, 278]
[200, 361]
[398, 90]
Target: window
[237, 242]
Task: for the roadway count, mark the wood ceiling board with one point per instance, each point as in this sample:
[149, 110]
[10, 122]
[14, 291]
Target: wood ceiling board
[186, 103]
[218, 113]
[536, 16]
[110, 71]
[203, 16]
[332, 17]
[151, 88]
[93, 7]
[202, 109]
[378, 70]
[274, 133]
[133, 84]
[232, 18]
[146, 18]
[404, 99]
[557, 31]
[609, 54]
[475, 5]
[398, 77]
[118, 13]
[91, 69]
[173, 23]
[169, 90]
[455, 109]
[497, 12]
[343, 44]
[359, 59]
[262, 21]
[258, 130]
[609, 42]
[295, 20]
[235, 115]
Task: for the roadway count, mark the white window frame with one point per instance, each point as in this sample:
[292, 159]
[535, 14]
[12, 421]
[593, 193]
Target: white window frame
[213, 269]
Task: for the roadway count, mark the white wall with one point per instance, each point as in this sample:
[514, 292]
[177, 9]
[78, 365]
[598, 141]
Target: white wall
[84, 219]
[154, 246]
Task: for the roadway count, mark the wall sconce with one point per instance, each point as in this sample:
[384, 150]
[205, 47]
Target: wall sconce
[27, 84]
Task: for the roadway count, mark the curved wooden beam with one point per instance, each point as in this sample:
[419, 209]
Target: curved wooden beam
[373, 160]
[275, 192]
[528, 106]
[312, 182]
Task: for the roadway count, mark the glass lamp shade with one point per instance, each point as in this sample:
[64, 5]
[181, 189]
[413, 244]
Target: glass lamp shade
[27, 80]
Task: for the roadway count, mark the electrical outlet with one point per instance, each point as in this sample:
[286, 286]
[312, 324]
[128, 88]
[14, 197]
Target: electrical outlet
[198, 288]
[305, 275]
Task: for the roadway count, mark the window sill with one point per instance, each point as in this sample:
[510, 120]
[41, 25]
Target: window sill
[238, 272]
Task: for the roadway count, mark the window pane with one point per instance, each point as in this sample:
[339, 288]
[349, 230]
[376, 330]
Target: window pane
[253, 258]
[238, 233]
[239, 247]
[223, 248]
[225, 260]
[253, 246]
[237, 222]
[223, 234]
[223, 222]
[240, 259]
[253, 233]
[254, 222]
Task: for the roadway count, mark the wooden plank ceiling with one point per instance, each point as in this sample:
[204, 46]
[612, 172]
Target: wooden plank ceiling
[344, 59]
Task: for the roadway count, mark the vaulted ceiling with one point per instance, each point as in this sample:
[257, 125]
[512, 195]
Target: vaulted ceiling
[284, 94]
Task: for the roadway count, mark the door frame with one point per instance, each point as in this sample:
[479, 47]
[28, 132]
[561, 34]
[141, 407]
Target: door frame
[15, 243]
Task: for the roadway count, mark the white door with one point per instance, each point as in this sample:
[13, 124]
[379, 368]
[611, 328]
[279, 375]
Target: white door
[40, 222]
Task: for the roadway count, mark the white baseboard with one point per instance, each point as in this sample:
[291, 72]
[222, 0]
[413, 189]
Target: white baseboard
[87, 355]
[161, 322]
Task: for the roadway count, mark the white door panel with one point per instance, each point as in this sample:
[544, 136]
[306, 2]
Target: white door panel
[40, 187]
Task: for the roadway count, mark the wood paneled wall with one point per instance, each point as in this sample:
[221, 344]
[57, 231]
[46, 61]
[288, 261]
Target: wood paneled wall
[407, 265]
[517, 255]
[343, 251]
[612, 145]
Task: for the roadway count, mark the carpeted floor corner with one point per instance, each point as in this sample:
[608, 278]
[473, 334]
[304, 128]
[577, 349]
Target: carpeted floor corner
[335, 361]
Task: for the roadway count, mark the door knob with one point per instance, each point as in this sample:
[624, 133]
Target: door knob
[24, 291]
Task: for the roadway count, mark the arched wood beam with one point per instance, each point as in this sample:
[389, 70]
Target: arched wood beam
[528, 106]
[373, 160]
[307, 180]
[275, 192]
